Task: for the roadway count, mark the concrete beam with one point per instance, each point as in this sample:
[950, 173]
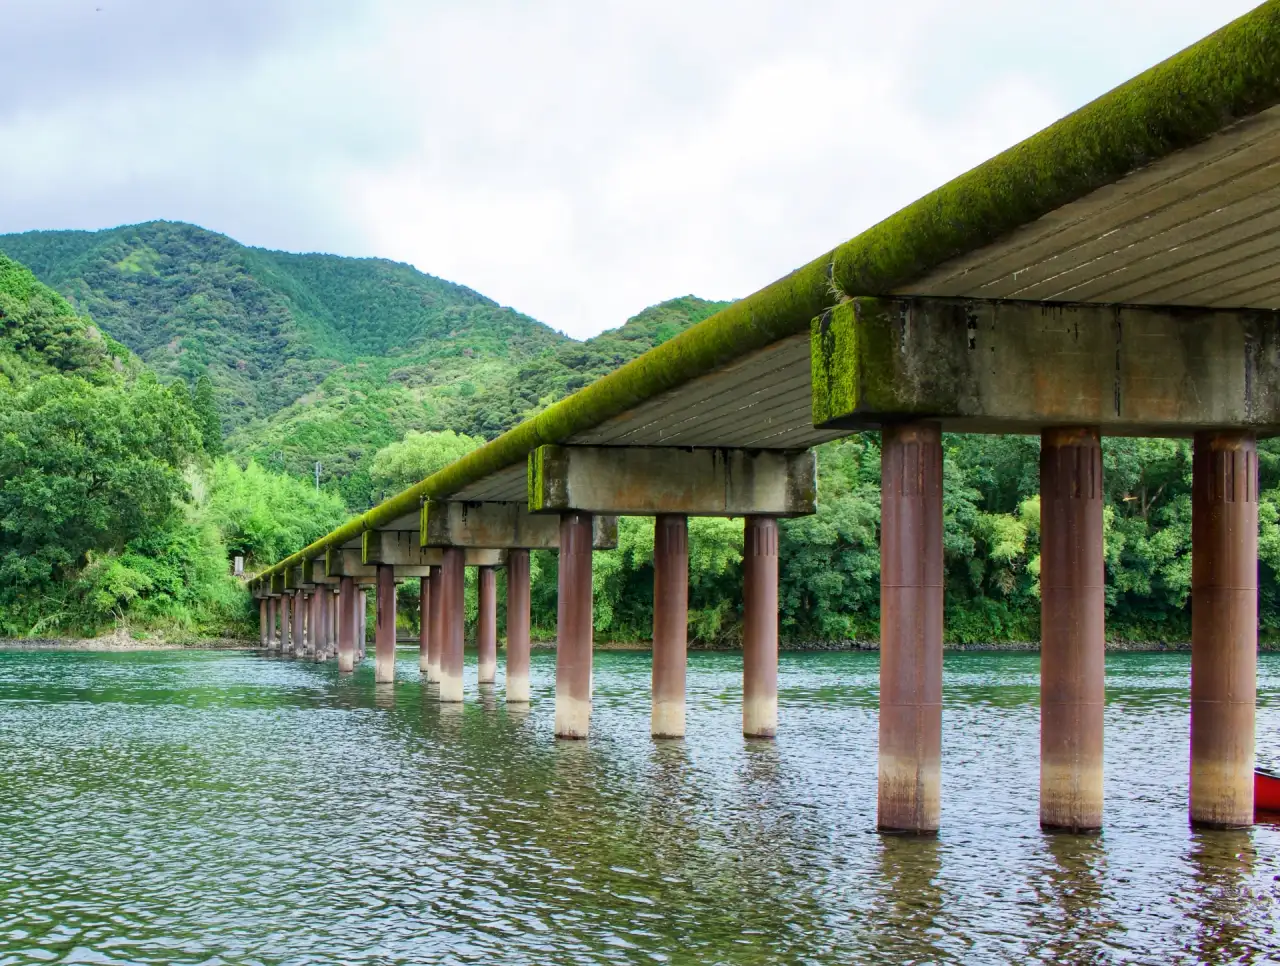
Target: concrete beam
[277, 585]
[400, 549]
[453, 523]
[313, 572]
[648, 480]
[1010, 366]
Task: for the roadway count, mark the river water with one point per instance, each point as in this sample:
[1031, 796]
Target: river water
[218, 807]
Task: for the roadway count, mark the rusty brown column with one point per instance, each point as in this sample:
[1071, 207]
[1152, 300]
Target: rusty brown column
[453, 577]
[574, 627]
[434, 643]
[424, 627]
[271, 623]
[517, 627]
[671, 626]
[362, 615]
[326, 623]
[346, 624]
[262, 622]
[1224, 627]
[760, 627]
[314, 625]
[910, 628]
[1072, 629]
[286, 643]
[487, 625]
[384, 626]
[299, 631]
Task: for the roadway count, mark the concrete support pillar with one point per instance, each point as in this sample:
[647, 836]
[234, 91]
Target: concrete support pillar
[910, 628]
[1224, 628]
[384, 626]
[487, 625]
[334, 622]
[271, 623]
[324, 638]
[362, 615]
[262, 621]
[296, 635]
[346, 624]
[453, 574]
[760, 627]
[574, 628]
[424, 625]
[671, 627]
[1072, 630]
[286, 629]
[436, 640]
[518, 626]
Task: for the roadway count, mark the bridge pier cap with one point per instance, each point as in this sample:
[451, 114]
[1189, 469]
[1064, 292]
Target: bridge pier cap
[1006, 366]
[652, 480]
[502, 525]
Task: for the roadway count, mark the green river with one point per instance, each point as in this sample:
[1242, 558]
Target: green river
[219, 807]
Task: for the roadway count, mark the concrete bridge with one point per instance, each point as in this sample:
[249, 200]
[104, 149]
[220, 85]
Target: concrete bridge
[1117, 273]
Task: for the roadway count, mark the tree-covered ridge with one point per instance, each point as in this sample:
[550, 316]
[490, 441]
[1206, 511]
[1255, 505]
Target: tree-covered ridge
[268, 326]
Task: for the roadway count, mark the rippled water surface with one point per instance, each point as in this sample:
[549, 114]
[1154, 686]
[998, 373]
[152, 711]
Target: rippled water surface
[207, 807]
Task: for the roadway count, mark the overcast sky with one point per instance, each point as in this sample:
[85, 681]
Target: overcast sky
[575, 159]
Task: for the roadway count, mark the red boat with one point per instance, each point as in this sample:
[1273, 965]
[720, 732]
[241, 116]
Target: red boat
[1266, 791]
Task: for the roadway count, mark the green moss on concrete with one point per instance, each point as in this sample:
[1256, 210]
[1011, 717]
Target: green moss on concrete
[1229, 75]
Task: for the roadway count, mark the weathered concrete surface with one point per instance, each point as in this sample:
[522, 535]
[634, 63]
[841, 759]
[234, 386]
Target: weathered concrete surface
[671, 626]
[435, 645]
[502, 525]
[1011, 366]
[1072, 630]
[486, 626]
[1224, 628]
[452, 624]
[518, 620]
[401, 549]
[642, 481]
[760, 627]
[910, 628]
[384, 626]
[574, 628]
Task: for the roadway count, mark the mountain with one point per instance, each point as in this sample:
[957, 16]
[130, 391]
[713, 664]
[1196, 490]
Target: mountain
[320, 358]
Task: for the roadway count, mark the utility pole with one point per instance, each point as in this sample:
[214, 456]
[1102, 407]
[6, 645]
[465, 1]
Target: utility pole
[317, 474]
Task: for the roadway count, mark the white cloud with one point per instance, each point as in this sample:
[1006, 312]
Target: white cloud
[577, 159]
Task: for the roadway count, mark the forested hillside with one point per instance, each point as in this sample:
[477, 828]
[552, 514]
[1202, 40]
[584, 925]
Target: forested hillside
[321, 359]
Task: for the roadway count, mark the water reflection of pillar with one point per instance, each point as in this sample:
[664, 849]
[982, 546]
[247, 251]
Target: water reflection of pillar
[384, 626]
[1221, 900]
[1072, 630]
[346, 624]
[424, 626]
[760, 627]
[671, 625]
[452, 620]
[487, 625]
[1224, 627]
[909, 872]
[1069, 911]
[518, 626]
[910, 628]
[436, 642]
[573, 627]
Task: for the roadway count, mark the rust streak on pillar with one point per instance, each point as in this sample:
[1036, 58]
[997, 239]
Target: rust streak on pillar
[574, 628]
[262, 622]
[346, 624]
[1224, 628]
[487, 625]
[453, 575]
[1072, 630]
[910, 628]
[760, 627]
[518, 626]
[384, 626]
[435, 642]
[670, 625]
[424, 626]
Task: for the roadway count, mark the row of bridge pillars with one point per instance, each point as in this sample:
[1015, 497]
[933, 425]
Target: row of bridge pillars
[310, 624]
[1072, 678]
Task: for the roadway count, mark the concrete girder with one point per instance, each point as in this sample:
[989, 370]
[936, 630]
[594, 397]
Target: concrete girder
[649, 480]
[1016, 367]
[401, 549]
[277, 585]
[507, 525]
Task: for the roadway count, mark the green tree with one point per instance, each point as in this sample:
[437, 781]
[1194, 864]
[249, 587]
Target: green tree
[206, 408]
[416, 457]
